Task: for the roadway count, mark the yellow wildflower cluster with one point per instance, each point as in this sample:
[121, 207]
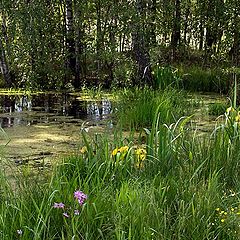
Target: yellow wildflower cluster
[83, 150]
[120, 153]
[141, 155]
[227, 215]
[233, 114]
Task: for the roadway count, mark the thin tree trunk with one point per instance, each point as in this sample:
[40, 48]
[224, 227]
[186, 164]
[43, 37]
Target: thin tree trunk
[153, 13]
[99, 27]
[70, 43]
[211, 32]
[235, 49]
[186, 26]
[3, 52]
[176, 32]
[78, 46]
[4, 66]
[201, 35]
[4, 33]
[140, 50]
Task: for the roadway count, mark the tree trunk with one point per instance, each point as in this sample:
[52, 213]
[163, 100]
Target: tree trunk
[187, 13]
[176, 32]
[235, 49]
[4, 66]
[99, 35]
[211, 29]
[140, 50]
[201, 35]
[153, 13]
[78, 46]
[99, 27]
[70, 42]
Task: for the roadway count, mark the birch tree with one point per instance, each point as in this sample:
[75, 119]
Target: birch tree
[4, 49]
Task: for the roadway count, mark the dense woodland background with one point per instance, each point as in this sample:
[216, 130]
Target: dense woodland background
[58, 44]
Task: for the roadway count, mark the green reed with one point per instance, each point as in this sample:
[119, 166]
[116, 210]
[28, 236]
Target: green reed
[136, 108]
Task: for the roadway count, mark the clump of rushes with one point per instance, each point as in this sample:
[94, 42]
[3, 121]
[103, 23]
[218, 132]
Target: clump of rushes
[136, 109]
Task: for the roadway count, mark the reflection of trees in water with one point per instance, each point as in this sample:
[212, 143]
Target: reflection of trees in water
[11, 104]
[23, 103]
[99, 110]
[89, 110]
[64, 105]
[6, 122]
[8, 104]
[76, 109]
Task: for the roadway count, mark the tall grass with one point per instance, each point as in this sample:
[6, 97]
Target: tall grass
[195, 78]
[174, 185]
[137, 107]
[165, 77]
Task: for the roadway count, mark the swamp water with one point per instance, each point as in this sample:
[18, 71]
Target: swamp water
[37, 129]
[202, 121]
[41, 127]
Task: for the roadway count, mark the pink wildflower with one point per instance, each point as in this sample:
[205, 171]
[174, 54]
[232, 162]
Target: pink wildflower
[76, 212]
[65, 215]
[80, 196]
[59, 205]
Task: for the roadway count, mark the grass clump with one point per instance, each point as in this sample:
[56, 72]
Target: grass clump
[217, 108]
[165, 77]
[136, 108]
[195, 78]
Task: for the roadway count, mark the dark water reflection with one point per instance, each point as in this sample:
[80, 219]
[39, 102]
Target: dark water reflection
[28, 110]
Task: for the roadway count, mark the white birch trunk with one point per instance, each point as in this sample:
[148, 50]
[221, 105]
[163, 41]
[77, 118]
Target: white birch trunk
[4, 66]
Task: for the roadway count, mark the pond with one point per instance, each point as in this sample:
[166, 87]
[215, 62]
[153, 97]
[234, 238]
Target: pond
[45, 108]
[39, 127]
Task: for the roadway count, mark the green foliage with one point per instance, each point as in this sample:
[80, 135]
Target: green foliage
[207, 80]
[137, 107]
[217, 108]
[165, 77]
[35, 42]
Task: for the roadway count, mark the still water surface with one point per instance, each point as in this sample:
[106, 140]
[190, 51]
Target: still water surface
[43, 126]
[39, 127]
[44, 108]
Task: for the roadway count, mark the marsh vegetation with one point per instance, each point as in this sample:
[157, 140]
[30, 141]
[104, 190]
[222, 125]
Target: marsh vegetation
[119, 120]
[152, 175]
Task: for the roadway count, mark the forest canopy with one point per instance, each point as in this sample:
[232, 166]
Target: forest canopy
[62, 44]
